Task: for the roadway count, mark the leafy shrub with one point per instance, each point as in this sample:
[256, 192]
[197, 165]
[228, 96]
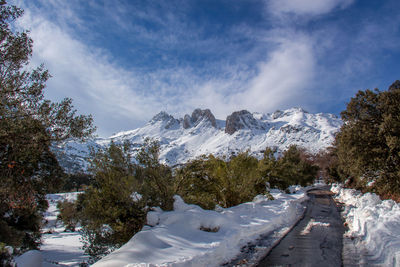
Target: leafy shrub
[368, 143]
[69, 214]
[110, 216]
[210, 181]
[157, 180]
[292, 168]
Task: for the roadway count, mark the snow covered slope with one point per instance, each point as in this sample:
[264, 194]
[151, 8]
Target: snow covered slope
[191, 236]
[201, 133]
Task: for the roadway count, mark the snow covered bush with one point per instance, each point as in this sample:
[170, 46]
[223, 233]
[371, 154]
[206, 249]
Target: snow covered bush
[192, 236]
[6, 258]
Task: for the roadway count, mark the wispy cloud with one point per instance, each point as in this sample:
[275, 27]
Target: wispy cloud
[305, 7]
[179, 65]
[283, 78]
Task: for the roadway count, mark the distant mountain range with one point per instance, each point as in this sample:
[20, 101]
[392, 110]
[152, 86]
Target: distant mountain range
[201, 133]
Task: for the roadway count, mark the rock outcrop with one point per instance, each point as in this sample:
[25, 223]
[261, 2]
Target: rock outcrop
[199, 115]
[168, 120]
[241, 120]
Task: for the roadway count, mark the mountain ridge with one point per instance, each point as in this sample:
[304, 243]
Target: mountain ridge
[201, 133]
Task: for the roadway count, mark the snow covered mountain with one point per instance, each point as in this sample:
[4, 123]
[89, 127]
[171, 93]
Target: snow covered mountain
[201, 133]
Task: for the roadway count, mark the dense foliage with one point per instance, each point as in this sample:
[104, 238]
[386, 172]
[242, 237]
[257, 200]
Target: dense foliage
[78, 181]
[210, 181]
[368, 144]
[114, 206]
[68, 214]
[28, 126]
[111, 212]
[293, 167]
[157, 182]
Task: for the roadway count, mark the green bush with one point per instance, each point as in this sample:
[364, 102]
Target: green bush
[110, 215]
[368, 143]
[157, 180]
[69, 214]
[114, 206]
[292, 168]
[210, 181]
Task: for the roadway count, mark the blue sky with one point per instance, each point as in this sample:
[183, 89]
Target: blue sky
[124, 61]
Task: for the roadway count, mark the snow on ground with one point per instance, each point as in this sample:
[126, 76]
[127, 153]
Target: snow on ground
[191, 236]
[32, 258]
[374, 225]
[311, 224]
[60, 248]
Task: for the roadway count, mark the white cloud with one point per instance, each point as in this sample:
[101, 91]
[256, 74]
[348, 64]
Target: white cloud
[85, 74]
[121, 99]
[280, 81]
[306, 7]
[284, 77]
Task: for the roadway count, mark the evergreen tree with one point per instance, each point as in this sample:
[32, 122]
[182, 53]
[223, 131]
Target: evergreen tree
[68, 214]
[292, 168]
[296, 168]
[114, 206]
[157, 180]
[111, 211]
[271, 170]
[368, 144]
[28, 126]
[208, 181]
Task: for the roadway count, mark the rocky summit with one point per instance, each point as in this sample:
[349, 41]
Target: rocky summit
[201, 133]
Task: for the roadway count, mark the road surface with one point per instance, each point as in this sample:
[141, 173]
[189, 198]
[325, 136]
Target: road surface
[316, 240]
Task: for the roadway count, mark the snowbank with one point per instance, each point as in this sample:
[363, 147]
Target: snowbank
[373, 224]
[191, 236]
[31, 258]
[60, 248]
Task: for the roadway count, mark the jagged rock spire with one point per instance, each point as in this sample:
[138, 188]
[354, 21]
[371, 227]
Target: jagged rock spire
[197, 116]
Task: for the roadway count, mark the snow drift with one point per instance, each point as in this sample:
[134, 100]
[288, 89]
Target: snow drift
[374, 226]
[191, 236]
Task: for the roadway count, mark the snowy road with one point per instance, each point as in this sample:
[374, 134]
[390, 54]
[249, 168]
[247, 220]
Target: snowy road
[316, 240]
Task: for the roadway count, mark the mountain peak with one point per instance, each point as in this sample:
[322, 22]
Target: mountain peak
[241, 120]
[200, 133]
[199, 115]
[167, 120]
[279, 113]
[161, 116]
